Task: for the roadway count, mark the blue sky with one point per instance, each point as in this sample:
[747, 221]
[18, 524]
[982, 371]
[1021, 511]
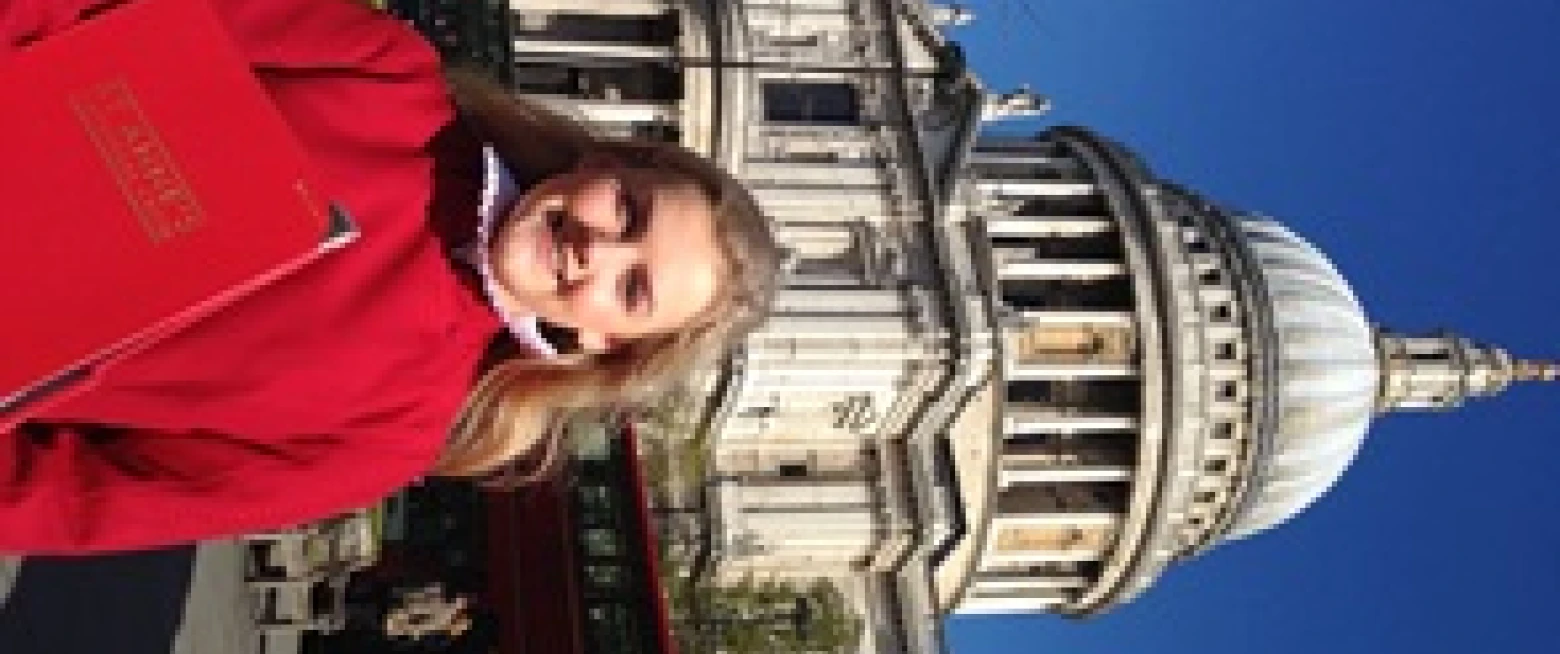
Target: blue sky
[1415, 142]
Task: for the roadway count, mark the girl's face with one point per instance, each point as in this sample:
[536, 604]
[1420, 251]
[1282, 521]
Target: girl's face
[615, 253]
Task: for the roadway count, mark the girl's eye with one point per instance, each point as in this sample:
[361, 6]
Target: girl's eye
[636, 219]
[555, 220]
[636, 288]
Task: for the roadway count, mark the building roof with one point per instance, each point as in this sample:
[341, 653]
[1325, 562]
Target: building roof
[1327, 378]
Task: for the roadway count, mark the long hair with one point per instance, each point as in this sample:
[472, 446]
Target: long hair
[518, 405]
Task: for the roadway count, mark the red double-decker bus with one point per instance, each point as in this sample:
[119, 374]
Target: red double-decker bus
[573, 563]
[565, 566]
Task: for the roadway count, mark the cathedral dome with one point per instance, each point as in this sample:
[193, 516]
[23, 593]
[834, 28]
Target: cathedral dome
[1325, 378]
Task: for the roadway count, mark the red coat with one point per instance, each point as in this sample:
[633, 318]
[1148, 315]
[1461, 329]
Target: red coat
[319, 395]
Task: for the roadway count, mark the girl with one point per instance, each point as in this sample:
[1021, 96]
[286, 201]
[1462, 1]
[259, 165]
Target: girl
[512, 266]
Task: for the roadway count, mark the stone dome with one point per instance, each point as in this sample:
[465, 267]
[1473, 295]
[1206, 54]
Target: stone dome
[1326, 378]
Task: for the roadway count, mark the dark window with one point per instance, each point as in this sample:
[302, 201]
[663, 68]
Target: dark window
[1229, 390]
[605, 576]
[828, 103]
[1092, 246]
[613, 627]
[599, 28]
[1223, 430]
[628, 82]
[1110, 293]
[1087, 204]
[812, 157]
[1225, 351]
[1029, 390]
[793, 470]
[657, 132]
[759, 411]
[791, 41]
[597, 500]
[847, 263]
[602, 542]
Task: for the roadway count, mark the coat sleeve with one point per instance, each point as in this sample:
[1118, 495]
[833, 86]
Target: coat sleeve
[78, 488]
[72, 489]
[344, 34]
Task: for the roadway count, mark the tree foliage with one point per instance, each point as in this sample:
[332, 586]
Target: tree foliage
[763, 617]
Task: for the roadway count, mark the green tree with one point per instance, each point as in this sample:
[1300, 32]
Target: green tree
[764, 617]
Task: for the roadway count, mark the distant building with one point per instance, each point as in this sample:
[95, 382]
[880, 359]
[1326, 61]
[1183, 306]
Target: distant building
[1005, 373]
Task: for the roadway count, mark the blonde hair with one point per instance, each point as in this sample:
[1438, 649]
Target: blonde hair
[518, 406]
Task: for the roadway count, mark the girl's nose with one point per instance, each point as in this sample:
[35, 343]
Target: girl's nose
[600, 289]
[595, 255]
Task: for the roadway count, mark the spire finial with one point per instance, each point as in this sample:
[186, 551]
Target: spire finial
[1535, 370]
[1442, 370]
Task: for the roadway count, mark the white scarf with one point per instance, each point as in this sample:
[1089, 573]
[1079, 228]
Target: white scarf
[499, 193]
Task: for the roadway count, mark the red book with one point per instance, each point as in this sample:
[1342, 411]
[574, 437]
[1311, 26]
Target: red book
[149, 182]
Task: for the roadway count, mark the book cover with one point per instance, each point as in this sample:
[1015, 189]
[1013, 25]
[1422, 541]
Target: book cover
[149, 182]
